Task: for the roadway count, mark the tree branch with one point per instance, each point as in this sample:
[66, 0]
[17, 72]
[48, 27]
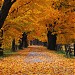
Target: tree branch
[5, 10]
[13, 1]
[21, 6]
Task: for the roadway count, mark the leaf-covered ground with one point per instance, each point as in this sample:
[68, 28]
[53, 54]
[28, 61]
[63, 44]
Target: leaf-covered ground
[37, 60]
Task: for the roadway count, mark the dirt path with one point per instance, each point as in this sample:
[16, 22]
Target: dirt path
[36, 60]
[35, 57]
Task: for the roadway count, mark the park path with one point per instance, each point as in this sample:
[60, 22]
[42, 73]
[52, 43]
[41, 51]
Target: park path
[38, 55]
[37, 60]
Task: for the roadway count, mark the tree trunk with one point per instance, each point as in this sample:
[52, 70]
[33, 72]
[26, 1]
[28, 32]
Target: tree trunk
[51, 41]
[3, 14]
[13, 45]
[5, 10]
[31, 42]
[20, 44]
[1, 40]
[24, 40]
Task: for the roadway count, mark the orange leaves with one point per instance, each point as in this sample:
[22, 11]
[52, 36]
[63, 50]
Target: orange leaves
[36, 60]
[0, 3]
[33, 15]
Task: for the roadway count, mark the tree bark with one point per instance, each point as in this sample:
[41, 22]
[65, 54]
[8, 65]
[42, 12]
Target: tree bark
[51, 41]
[13, 45]
[24, 40]
[5, 10]
[1, 40]
[20, 44]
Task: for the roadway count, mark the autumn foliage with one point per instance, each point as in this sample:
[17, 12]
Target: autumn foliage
[35, 17]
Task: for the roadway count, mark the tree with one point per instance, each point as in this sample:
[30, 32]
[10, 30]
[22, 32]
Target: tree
[5, 10]
[51, 41]
[33, 15]
[24, 40]
[3, 14]
[13, 45]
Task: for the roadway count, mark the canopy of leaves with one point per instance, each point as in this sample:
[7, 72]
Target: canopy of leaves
[36, 16]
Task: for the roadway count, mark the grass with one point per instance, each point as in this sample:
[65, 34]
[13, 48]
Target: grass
[1, 57]
[64, 53]
[60, 52]
[7, 53]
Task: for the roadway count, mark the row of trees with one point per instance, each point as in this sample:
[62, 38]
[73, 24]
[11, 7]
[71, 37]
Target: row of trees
[49, 21]
[23, 43]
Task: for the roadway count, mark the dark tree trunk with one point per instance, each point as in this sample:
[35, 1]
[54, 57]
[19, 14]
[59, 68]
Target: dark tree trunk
[51, 41]
[20, 44]
[13, 45]
[31, 42]
[24, 40]
[1, 40]
[16, 47]
[74, 49]
[5, 10]
[3, 14]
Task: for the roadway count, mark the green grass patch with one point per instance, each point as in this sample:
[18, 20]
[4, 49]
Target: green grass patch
[8, 53]
[60, 52]
[64, 53]
[1, 57]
